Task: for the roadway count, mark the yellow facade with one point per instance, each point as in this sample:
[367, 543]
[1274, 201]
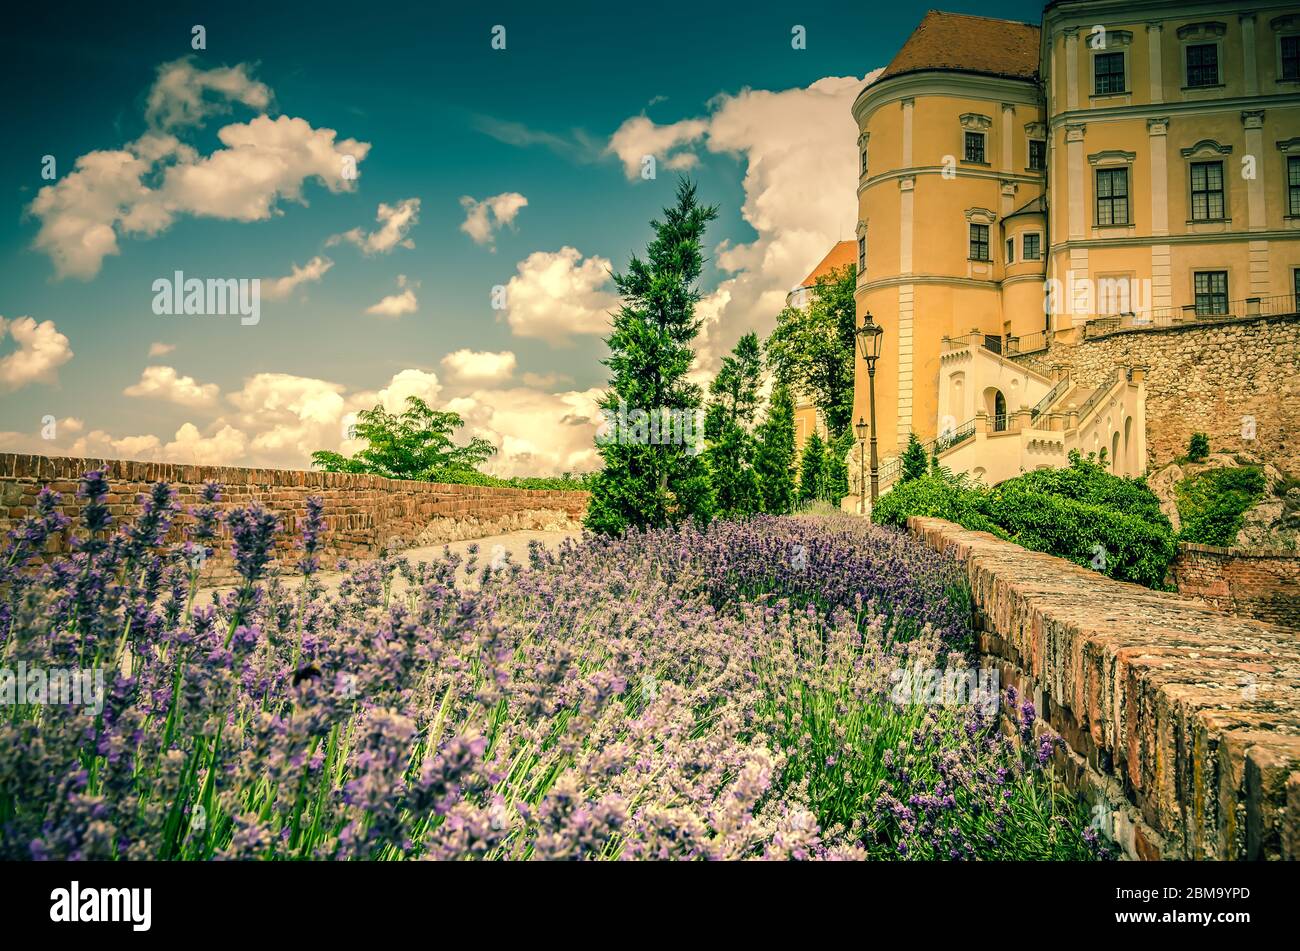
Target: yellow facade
[1134, 121]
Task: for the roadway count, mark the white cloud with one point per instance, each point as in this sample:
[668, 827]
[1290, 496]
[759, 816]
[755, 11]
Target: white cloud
[800, 149]
[178, 96]
[395, 305]
[278, 288]
[41, 351]
[164, 383]
[557, 294]
[480, 365]
[484, 218]
[639, 136]
[536, 432]
[394, 223]
[142, 188]
[159, 349]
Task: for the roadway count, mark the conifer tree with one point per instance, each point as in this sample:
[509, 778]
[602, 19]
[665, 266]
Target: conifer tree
[774, 454]
[653, 474]
[728, 427]
[812, 465]
[835, 468]
[914, 462]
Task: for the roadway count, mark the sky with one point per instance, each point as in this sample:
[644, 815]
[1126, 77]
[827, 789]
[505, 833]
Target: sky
[428, 213]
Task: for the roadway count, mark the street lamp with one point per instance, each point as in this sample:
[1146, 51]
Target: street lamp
[869, 335]
[861, 427]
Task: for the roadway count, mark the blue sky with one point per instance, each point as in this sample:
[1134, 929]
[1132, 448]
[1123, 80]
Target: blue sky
[559, 117]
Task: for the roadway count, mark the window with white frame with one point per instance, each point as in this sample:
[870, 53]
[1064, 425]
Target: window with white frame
[1289, 49]
[1293, 186]
[979, 242]
[1031, 246]
[1211, 290]
[1112, 196]
[1108, 73]
[1207, 191]
[1011, 250]
[974, 147]
[1037, 155]
[1202, 64]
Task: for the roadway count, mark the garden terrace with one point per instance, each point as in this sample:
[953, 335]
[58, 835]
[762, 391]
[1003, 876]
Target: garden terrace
[1183, 720]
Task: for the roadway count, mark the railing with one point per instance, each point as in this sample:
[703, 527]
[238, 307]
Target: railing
[1027, 343]
[1101, 391]
[989, 342]
[1043, 405]
[888, 472]
[998, 423]
[1190, 314]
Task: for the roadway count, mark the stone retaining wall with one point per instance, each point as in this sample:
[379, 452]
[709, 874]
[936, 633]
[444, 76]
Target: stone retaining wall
[362, 513]
[1182, 722]
[1258, 584]
[1202, 378]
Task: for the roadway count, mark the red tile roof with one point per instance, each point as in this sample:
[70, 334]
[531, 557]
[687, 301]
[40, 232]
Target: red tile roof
[844, 253]
[968, 44]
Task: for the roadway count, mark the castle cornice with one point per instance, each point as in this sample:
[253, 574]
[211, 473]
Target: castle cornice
[1163, 109]
[941, 82]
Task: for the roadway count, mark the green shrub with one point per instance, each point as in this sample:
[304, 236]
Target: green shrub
[566, 482]
[1211, 504]
[1199, 447]
[1131, 548]
[935, 496]
[1089, 482]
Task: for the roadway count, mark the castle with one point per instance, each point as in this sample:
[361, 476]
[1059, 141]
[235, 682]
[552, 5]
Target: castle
[1083, 235]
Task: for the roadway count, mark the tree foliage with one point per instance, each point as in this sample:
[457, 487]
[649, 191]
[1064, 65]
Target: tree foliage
[914, 463]
[414, 444]
[812, 469]
[812, 348]
[774, 460]
[647, 482]
[728, 427]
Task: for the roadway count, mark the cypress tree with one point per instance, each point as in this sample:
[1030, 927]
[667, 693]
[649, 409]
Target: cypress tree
[774, 454]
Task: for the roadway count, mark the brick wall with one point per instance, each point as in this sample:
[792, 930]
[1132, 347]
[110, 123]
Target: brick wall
[1182, 720]
[1203, 378]
[1258, 584]
[362, 513]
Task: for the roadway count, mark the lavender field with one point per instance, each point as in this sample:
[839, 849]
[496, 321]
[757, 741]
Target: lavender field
[720, 693]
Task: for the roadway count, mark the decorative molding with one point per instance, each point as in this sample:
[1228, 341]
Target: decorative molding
[975, 122]
[907, 183]
[1008, 188]
[1036, 130]
[1155, 26]
[981, 216]
[1290, 145]
[1208, 30]
[1116, 40]
[1158, 125]
[862, 139]
[1253, 118]
[1112, 157]
[1288, 21]
[862, 227]
[1207, 147]
[1074, 131]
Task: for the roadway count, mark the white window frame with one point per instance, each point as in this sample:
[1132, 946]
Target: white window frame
[1023, 236]
[1208, 150]
[1209, 33]
[1284, 26]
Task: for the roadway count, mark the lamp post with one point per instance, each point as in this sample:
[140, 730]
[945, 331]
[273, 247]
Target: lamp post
[869, 335]
[861, 427]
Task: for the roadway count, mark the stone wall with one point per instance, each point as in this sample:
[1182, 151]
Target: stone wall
[1181, 721]
[362, 513]
[1258, 584]
[1203, 378]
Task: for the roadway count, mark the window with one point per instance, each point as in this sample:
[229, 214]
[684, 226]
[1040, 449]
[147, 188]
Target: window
[975, 147]
[1290, 57]
[1037, 154]
[863, 170]
[1207, 191]
[1211, 292]
[1031, 247]
[1295, 277]
[1112, 196]
[979, 242]
[862, 253]
[1203, 64]
[1108, 73]
[1293, 185]
[1011, 250]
